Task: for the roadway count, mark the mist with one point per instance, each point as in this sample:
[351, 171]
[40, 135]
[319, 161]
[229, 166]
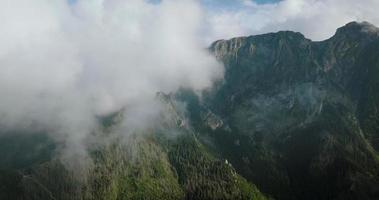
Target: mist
[64, 64]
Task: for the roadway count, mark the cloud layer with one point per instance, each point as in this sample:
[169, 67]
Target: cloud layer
[316, 19]
[62, 65]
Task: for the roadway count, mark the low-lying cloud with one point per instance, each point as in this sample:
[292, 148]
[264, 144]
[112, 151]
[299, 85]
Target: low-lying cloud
[62, 65]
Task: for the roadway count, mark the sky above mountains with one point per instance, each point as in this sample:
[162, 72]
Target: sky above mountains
[316, 19]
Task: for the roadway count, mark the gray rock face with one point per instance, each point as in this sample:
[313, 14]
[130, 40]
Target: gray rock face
[304, 114]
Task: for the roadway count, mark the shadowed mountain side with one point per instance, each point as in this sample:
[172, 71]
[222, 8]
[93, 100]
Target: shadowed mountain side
[167, 162]
[296, 117]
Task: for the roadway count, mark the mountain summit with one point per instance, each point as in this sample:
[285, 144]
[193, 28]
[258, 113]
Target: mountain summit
[301, 116]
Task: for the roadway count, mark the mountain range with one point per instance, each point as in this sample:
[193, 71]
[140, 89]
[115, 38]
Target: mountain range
[292, 119]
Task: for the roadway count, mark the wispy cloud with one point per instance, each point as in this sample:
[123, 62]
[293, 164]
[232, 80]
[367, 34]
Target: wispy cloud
[317, 19]
[64, 64]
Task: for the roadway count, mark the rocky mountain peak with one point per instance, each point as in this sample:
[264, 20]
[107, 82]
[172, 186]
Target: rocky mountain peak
[357, 29]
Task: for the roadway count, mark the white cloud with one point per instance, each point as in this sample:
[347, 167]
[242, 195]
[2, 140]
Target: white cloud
[62, 65]
[316, 19]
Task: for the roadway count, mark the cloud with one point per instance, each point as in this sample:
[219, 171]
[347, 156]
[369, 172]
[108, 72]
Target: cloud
[63, 64]
[316, 19]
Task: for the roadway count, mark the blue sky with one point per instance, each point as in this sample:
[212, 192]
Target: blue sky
[266, 1]
[222, 3]
[233, 3]
[217, 4]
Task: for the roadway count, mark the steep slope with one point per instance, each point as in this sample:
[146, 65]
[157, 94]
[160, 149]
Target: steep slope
[167, 162]
[296, 117]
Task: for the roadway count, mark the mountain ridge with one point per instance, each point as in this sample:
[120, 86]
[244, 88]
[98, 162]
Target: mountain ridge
[280, 87]
[292, 119]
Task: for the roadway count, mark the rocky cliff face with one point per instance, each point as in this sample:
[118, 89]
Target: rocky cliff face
[299, 117]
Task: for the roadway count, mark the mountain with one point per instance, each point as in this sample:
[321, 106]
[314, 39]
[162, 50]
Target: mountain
[299, 118]
[167, 162]
[292, 119]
